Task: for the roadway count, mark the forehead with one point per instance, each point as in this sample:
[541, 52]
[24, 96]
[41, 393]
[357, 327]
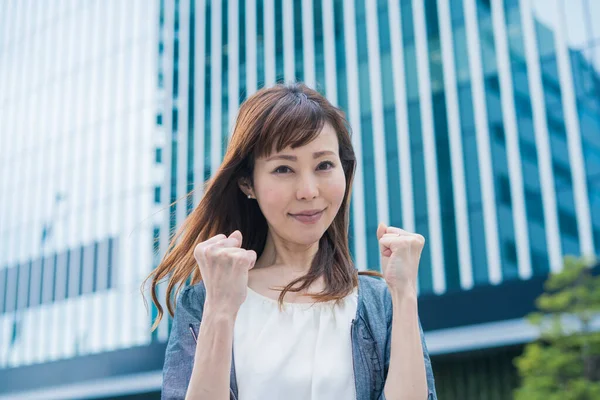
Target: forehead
[326, 139]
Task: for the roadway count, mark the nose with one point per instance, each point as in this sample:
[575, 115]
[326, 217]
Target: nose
[308, 188]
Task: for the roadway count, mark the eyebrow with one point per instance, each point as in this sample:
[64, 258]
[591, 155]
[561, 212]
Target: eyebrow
[294, 158]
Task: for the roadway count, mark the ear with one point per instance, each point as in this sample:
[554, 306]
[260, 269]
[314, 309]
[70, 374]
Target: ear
[246, 187]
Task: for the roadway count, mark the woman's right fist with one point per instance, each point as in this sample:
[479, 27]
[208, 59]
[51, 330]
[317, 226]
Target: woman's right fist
[224, 266]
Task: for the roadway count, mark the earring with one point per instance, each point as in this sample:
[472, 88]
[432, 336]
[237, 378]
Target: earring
[249, 196]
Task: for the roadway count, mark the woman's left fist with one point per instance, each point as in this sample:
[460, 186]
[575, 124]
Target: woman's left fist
[400, 256]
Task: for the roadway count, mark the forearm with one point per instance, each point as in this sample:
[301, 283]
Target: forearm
[406, 378]
[212, 363]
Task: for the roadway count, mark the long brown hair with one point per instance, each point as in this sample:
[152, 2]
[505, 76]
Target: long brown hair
[272, 118]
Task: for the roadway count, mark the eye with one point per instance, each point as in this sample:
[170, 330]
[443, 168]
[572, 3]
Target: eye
[326, 165]
[282, 169]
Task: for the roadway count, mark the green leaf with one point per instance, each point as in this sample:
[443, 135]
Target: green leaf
[557, 366]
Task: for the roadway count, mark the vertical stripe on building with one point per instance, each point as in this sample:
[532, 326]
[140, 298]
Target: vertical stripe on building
[573, 129]
[269, 41]
[251, 73]
[199, 96]
[358, 199]
[66, 123]
[94, 305]
[515, 173]
[31, 319]
[329, 52]
[401, 108]
[288, 42]
[456, 149]
[233, 58]
[168, 61]
[182, 101]
[29, 133]
[308, 42]
[374, 60]
[429, 150]
[541, 137]
[217, 84]
[125, 207]
[5, 140]
[483, 144]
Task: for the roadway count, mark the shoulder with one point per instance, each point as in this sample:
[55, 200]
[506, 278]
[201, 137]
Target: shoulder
[375, 311]
[373, 289]
[374, 296]
[191, 300]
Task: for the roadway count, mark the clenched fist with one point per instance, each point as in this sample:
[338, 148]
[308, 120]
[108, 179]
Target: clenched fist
[224, 266]
[400, 256]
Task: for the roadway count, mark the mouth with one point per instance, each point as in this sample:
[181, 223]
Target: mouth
[308, 216]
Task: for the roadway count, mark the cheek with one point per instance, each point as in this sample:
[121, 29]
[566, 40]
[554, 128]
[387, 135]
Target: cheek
[336, 188]
[272, 197]
[272, 200]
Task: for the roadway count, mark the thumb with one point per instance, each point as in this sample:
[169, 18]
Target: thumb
[237, 235]
[381, 229]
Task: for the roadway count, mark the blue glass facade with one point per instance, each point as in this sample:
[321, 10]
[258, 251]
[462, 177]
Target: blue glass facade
[490, 162]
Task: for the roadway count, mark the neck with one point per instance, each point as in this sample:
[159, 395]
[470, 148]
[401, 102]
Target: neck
[295, 257]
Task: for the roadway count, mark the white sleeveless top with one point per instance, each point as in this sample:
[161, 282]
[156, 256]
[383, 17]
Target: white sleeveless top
[303, 352]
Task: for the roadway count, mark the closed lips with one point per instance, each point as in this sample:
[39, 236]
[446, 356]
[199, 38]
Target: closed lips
[308, 213]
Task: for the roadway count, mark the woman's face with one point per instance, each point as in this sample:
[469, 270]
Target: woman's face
[300, 190]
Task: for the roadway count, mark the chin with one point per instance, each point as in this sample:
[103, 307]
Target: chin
[307, 237]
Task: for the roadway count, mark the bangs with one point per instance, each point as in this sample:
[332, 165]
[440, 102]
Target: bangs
[293, 121]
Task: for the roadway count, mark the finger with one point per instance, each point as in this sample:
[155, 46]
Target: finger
[381, 229]
[385, 249]
[387, 236]
[231, 251]
[236, 235]
[393, 243]
[397, 231]
[227, 242]
[199, 249]
[214, 239]
[252, 257]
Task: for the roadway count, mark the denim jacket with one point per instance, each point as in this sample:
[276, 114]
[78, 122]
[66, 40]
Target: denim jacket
[370, 334]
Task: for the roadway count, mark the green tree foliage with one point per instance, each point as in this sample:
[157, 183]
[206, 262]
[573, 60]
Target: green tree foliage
[564, 363]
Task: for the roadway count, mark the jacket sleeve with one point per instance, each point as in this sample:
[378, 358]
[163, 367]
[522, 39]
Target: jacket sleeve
[431, 393]
[181, 347]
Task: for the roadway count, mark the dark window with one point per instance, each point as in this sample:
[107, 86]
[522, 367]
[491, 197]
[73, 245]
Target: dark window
[35, 278]
[11, 289]
[48, 279]
[74, 271]
[87, 266]
[23, 286]
[174, 119]
[101, 280]
[3, 288]
[61, 277]
[113, 254]
[156, 239]
[157, 194]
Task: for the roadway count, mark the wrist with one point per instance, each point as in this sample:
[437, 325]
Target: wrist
[218, 313]
[404, 293]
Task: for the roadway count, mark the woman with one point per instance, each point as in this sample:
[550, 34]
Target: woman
[276, 308]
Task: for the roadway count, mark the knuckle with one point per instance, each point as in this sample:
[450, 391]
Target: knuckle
[198, 250]
[210, 252]
[249, 257]
[223, 254]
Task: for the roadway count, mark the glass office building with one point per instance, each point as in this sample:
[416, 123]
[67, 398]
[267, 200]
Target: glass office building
[78, 139]
[475, 123]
